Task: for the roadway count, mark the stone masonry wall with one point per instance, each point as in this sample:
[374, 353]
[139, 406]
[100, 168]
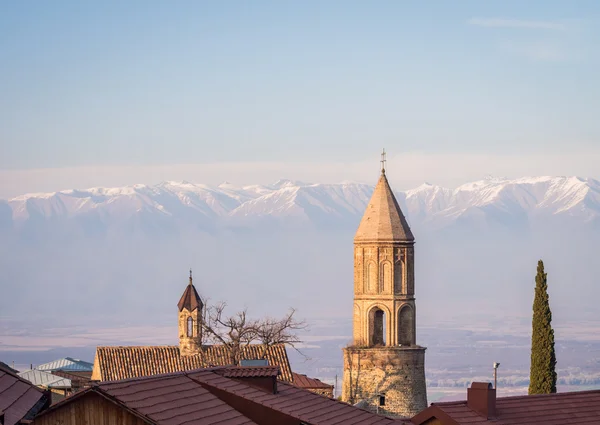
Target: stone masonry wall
[396, 372]
[190, 345]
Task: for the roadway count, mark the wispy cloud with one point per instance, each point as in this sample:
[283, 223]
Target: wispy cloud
[517, 23]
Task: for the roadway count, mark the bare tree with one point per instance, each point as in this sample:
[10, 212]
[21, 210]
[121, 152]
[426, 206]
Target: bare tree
[237, 331]
[272, 331]
[233, 332]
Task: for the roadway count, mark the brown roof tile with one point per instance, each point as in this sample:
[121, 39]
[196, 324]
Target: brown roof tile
[165, 400]
[207, 397]
[290, 400]
[113, 363]
[303, 381]
[550, 409]
[250, 372]
[80, 378]
[19, 399]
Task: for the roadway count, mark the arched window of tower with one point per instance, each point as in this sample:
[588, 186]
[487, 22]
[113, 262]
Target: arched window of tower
[190, 327]
[406, 325]
[377, 327]
[398, 273]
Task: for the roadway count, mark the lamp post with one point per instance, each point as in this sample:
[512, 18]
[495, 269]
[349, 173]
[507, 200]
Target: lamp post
[496, 374]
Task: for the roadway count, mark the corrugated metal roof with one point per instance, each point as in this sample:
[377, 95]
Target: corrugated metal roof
[19, 399]
[45, 379]
[68, 364]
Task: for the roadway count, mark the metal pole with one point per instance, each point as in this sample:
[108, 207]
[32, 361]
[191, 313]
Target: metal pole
[496, 364]
[335, 388]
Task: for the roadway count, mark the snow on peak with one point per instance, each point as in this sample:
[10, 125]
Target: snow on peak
[525, 195]
[286, 183]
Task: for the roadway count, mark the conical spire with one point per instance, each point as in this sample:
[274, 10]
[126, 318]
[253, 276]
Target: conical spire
[190, 298]
[383, 220]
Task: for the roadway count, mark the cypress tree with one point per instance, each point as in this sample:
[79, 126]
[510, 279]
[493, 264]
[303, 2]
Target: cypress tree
[542, 376]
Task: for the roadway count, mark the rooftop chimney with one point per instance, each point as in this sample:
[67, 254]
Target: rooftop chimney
[481, 398]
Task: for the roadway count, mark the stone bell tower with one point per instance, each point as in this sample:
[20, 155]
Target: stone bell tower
[190, 320]
[384, 368]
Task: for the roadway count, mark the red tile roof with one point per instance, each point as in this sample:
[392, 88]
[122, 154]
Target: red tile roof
[19, 399]
[77, 378]
[303, 381]
[550, 409]
[250, 372]
[113, 363]
[172, 399]
[298, 403]
[207, 396]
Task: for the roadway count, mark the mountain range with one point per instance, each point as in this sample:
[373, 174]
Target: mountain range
[123, 252]
[492, 200]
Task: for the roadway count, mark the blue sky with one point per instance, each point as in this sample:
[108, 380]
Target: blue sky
[149, 83]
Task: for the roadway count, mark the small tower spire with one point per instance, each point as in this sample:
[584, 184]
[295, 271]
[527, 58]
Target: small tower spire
[191, 276]
[383, 161]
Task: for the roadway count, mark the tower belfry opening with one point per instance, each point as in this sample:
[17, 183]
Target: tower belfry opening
[384, 356]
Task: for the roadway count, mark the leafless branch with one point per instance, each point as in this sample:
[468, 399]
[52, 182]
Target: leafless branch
[237, 331]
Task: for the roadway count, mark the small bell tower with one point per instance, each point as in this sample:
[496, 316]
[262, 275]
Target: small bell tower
[190, 320]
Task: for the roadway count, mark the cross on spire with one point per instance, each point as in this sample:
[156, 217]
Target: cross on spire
[383, 161]
[190, 276]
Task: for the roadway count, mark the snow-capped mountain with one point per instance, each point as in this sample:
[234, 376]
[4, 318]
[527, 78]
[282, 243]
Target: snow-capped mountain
[279, 244]
[494, 198]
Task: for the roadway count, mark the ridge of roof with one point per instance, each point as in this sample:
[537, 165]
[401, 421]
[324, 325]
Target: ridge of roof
[157, 376]
[249, 371]
[383, 220]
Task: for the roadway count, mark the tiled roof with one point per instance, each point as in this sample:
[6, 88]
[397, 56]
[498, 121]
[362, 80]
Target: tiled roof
[548, 409]
[206, 396]
[113, 363]
[46, 379]
[165, 399]
[298, 403]
[250, 372]
[7, 367]
[76, 378]
[383, 220]
[19, 399]
[303, 381]
[68, 364]
[190, 298]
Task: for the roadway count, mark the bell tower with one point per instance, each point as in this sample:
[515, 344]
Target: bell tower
[384, 367]
[190, 320]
